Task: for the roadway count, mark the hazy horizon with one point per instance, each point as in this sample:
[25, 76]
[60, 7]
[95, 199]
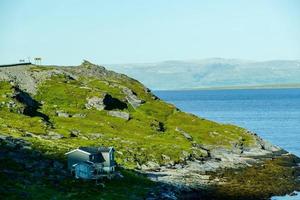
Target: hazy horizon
[65, 32]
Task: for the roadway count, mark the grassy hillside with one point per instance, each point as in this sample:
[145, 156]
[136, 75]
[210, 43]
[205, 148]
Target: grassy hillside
[57, 109]
[137, 140]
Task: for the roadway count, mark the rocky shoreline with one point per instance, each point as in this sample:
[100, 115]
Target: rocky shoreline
[240, 177]
[273, 174]
[227, 175]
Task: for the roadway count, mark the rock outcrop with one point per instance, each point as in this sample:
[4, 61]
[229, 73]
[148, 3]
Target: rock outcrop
[185, 134]
[95, 102]
[107, 102]
[120, 114]
[131, 98]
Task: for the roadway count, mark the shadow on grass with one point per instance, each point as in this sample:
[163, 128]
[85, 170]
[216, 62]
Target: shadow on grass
[29, 174]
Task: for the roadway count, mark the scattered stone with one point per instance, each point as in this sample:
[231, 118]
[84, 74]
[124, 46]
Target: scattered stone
[62, 114]
[165, 157]
[53, 136]
[150, 166]
[80, 115]
[293, 194]
[213, 133]
[157, 126]
[95, 135]
[74, 133]
[29, 134]
[11, 104]
[185, 134]
[123, 115]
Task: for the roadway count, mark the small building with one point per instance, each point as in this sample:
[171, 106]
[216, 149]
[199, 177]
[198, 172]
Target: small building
[90, 162]
[86, 170]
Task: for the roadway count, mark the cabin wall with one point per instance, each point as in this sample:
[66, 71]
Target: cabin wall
[84, 171]
[106, 158]
[76, 157]
[108, 165]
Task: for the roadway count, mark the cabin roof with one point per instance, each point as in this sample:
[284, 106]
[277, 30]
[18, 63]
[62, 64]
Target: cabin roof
[95, 150]
[92, 150]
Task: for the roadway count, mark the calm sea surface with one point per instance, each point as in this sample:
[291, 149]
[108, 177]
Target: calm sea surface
[274, 114]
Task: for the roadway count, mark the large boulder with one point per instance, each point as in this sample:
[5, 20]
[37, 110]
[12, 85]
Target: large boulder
[60, 113]
[106, 102]
[185, 134]
[131, 98]
[120, 114]
[95, 102]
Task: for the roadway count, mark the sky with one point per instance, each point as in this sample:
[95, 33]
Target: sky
[137, 31]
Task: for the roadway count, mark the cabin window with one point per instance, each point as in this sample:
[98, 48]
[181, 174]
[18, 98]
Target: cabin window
[93, 157]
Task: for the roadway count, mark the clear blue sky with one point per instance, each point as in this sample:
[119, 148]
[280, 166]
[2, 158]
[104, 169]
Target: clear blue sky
[119, 31]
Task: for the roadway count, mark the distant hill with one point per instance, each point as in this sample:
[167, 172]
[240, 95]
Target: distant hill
[214, 73]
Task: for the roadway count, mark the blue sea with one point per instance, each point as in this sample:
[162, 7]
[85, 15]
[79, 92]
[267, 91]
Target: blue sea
[274, 114]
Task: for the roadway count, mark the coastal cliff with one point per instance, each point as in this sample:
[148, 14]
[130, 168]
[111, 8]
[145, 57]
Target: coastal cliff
[161, 151]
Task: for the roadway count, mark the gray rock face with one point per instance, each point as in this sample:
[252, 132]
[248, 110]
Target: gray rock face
[267, 145]
[95, 102]
[28, 134]
[150, 166]
[120, 114]
[53, 136]
[28, 79]
[185, 134]
[262, 147]
[95, 135]
[131, 98]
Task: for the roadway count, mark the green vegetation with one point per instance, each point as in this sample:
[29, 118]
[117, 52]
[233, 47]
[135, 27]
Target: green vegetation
[259, 181]
[5, 91]
[23, 186]
[154, 131]
[62, 93]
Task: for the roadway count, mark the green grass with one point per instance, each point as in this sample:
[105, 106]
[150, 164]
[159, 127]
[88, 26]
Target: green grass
[5, 91]
[136, 140]
[132, 186]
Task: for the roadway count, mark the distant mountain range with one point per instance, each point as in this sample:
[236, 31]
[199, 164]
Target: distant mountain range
[214, 73]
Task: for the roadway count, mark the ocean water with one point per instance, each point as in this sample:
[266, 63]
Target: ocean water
[274, 114]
